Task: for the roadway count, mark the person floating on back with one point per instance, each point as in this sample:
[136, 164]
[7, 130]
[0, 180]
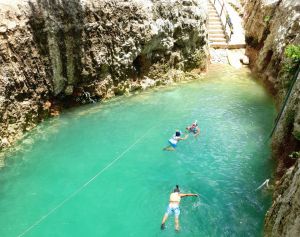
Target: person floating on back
[174, 140]
[194, 129]
[173, 207]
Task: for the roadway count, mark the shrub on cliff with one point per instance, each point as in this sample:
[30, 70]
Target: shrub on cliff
[292, 53]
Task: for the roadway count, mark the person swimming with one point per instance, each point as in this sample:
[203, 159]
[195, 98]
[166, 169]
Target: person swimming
[194, 129]
[173, 207]
[174, 140]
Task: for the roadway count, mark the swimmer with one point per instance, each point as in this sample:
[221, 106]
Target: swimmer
[174, 140]
[173, 206]
[194, 129]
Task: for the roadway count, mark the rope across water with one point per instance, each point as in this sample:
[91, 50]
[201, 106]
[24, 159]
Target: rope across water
[68, 198]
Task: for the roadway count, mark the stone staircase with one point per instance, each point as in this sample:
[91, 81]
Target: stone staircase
[216, 35]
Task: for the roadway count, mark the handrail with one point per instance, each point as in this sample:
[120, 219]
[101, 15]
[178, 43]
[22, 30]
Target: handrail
[224, 16]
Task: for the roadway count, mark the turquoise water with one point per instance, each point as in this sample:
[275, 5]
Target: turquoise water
[115, 150]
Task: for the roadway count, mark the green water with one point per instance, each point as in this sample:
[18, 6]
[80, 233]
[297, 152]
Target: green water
[41, 192]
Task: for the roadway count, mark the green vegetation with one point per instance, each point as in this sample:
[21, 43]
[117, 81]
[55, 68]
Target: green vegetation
[157, 70]
[196, 60]
[267, 19]
[295, 155]
[292, 53]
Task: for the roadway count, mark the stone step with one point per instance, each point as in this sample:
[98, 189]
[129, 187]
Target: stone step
[214, 40]
[213, 17]
[218, 45]
[214, 24]
[215, 27]
[214, 20]
[215, 31]
[236, 46]
[218, 38]
[216, 35]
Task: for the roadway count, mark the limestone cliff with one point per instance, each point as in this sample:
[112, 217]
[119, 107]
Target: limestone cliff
[283, 218]
[272, 26]
[72, 51]
[25, 85]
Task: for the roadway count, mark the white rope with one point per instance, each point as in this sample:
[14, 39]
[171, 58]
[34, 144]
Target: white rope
[83, 186]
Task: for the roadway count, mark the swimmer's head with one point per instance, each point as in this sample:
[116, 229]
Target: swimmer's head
[177, 190]
[178, 133]
[195, 123]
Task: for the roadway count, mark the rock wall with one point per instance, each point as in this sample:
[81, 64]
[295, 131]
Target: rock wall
[271, 27]
[25, 85]
[56, 53]
[283, 218]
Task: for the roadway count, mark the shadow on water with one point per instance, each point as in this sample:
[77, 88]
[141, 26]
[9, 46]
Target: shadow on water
[57, 29]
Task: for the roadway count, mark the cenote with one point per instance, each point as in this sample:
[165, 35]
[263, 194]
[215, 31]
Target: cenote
[100, 170]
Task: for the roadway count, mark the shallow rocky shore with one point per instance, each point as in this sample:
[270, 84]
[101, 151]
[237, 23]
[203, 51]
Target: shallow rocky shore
[55, 54]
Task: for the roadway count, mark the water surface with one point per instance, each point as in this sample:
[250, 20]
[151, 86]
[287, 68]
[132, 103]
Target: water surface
[115, 150]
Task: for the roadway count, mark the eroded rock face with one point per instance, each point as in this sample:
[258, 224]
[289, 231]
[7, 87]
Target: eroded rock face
[283, 217]
[24, 82]
[272, 25]
[131, 40]
[83, 51]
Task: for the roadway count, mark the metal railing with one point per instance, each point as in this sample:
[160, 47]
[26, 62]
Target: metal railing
[220, 7]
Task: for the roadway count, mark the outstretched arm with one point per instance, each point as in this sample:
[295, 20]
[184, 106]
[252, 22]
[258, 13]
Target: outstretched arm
[183, 138]
[188, 194]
